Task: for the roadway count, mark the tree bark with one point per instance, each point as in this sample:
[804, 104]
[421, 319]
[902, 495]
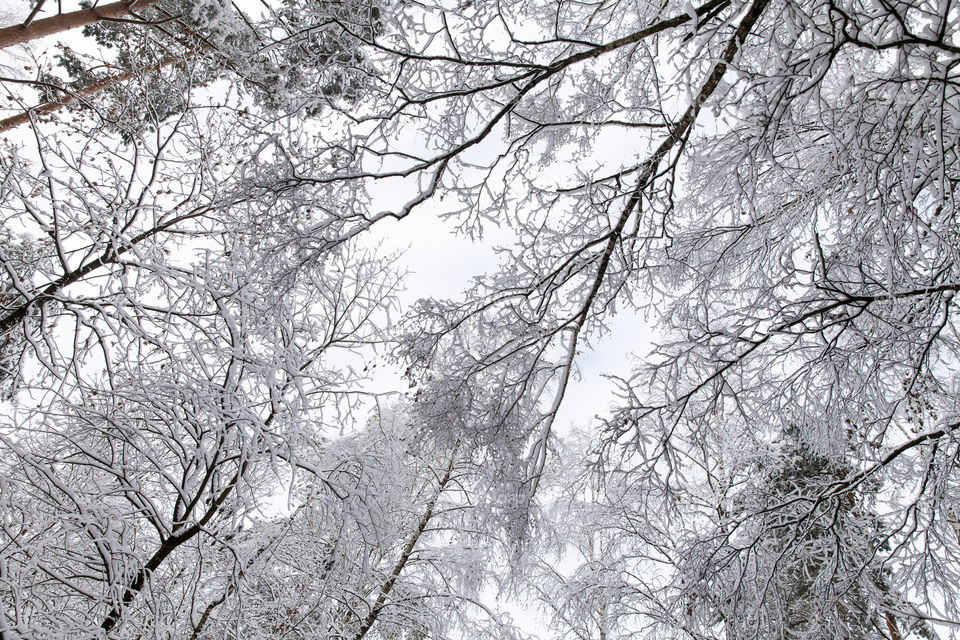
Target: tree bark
[892, 626]
[79, 94]
[406, 554]
[168, 546]
[21, 33]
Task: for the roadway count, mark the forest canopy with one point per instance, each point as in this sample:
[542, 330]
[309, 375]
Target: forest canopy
[224, 415]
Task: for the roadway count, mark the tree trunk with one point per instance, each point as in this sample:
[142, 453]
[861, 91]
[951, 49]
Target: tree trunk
[892, 627]
[79, 94]
[21, 33]
[407, 552]
[168, 546]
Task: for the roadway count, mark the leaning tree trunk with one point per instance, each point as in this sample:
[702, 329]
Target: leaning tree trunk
[21, 33]
[80, 94]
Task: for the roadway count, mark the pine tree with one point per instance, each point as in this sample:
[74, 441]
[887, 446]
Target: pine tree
[144, 68]
[815, 555]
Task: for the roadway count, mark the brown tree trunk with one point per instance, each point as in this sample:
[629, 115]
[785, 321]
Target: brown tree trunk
[892, 627]
[79, 94]
[21, 33]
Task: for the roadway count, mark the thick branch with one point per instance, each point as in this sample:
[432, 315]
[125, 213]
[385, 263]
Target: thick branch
[112, 256]
[80, 94]
[22, 33]
[168, 546]
[405, 556]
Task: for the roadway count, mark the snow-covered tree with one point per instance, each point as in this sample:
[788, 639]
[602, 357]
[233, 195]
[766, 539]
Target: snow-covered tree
[143, 67]
[175, 353]
[384, 545]
[773, 183]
